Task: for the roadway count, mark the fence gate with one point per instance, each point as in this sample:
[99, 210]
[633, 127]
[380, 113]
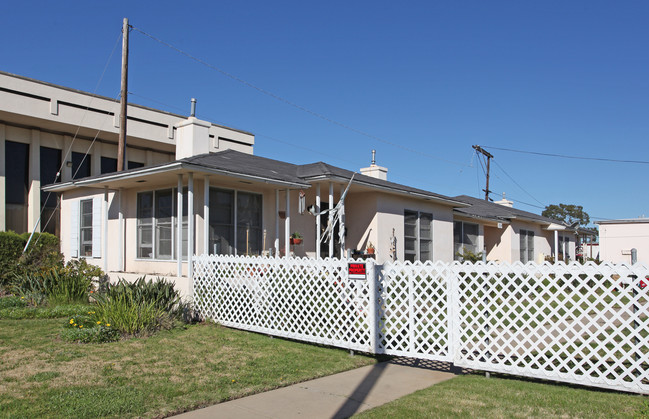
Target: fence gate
[414, 310]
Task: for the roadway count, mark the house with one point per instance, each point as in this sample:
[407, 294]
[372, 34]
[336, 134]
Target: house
[617, 238]
[508, 234]
[231, 202]
[50, 133]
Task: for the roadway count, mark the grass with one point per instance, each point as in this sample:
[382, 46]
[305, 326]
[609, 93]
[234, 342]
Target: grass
[477, 396]
[170, 372]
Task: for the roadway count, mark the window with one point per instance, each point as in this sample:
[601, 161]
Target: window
[16, 185]
[527, 246]
[50, 165]
[157, 224]
[85, 228]
[134, 164]
[418, 237]
[243, 236]
[465, 236]
[80, 165]
[108, 165]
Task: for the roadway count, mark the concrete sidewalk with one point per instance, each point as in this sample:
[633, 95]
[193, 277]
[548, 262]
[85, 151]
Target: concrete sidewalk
[336, 396]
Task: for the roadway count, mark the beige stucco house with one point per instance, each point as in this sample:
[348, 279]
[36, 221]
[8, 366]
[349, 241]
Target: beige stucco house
[618, 237]
[508, 234]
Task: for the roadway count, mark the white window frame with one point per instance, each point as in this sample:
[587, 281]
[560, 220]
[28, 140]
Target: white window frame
[525, 250]
[155, 224]
[77, 227]
[417, 238]
[457, 254]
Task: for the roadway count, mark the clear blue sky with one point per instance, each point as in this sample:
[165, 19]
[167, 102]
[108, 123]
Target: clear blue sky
[430, 79]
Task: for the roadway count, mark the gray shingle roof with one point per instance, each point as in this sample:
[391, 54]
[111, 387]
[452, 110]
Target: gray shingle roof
[485, 209]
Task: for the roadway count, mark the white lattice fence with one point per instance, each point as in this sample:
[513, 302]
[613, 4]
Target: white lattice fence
[305, 299]
[583, 324]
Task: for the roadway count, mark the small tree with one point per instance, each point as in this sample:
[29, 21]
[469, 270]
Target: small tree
[569, 214]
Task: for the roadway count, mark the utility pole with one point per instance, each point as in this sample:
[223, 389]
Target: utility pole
[121, 147]
[489, 157]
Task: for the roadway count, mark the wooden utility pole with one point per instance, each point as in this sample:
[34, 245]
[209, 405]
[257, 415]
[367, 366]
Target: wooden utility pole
[121, 147]
[489, 157]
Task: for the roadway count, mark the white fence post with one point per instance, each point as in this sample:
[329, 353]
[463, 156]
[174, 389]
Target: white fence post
[373, 320]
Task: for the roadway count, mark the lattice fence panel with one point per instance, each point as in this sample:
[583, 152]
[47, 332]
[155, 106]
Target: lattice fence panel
[583, 324]
[306, 299]
[413, 310]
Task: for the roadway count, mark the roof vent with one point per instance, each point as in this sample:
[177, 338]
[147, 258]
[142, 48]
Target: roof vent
[505, 202]
[374, 170]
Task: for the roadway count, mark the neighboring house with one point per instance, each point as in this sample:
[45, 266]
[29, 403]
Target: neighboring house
[618, 237]
[243, 204]
[507, 234]
[45, 128]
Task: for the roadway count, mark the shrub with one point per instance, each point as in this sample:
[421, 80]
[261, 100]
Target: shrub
[63, 285]
[11, 247]
[469, 256]
[161, 292]
[12, 301]
[43, 253]
[129, 316]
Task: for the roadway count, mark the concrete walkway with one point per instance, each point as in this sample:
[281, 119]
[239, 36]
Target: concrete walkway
[336, 396]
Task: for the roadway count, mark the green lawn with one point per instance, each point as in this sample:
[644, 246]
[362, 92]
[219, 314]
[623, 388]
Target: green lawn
[477, 396]
[171, 372]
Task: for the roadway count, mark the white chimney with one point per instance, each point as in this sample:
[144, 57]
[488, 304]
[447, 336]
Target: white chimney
[192, 138]
[505, 202]
[374, 170]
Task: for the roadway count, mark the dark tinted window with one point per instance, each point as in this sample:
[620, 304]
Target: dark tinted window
[80, 165]
[108, 165]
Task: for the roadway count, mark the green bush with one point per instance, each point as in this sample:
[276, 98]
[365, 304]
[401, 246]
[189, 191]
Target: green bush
[62, 285]
[161, 292]
[43, 253]
[11, 247]
[129, 316]
[12, 301]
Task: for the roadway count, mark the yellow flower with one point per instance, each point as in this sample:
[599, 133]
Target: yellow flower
[98, 322]
[108, 324]
[80, 326]
[71, 321]
[233, 381]
[22, 298]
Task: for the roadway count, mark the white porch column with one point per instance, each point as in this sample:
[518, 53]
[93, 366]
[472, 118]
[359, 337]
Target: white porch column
[3, 214]
[105, 245]
[317, 221]
[179, 227]
[331, 219]
[34, 195]
[206, 216]
[556, 246]
[122, 238]
[287, 225]
[190, 226]
[341, 227]
[276, 222]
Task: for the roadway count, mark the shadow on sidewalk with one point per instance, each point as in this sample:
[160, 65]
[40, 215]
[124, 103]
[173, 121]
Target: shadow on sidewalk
[356, 399]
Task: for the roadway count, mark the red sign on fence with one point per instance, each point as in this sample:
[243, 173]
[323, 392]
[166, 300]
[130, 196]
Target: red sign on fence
[356, 271]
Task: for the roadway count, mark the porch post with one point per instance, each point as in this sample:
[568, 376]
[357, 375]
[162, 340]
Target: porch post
[556, 246]
[287, 225]
[317, 221]
[341, 229]
[105, 245]
[179, 227]
[331, 219]
[276, 222]
[120, 259]
[206, 216]
[190, 226]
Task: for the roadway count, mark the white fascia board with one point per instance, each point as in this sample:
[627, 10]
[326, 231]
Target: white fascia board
[195, 167]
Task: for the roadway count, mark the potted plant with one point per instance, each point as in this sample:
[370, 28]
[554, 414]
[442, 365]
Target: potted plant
[370, 248]
[296, 238]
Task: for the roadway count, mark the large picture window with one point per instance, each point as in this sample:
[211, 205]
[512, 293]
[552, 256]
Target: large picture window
[465, 238]
[235, 222]
[16, 185]
[564, 248]
[527, 246]
[157, 224]
[418, 235]
[50, 166]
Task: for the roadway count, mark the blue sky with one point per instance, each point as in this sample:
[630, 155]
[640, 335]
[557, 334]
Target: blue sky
[423, 81]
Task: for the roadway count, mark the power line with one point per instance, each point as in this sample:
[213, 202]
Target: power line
[290, 103]
[516, 183]
[563, 156]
